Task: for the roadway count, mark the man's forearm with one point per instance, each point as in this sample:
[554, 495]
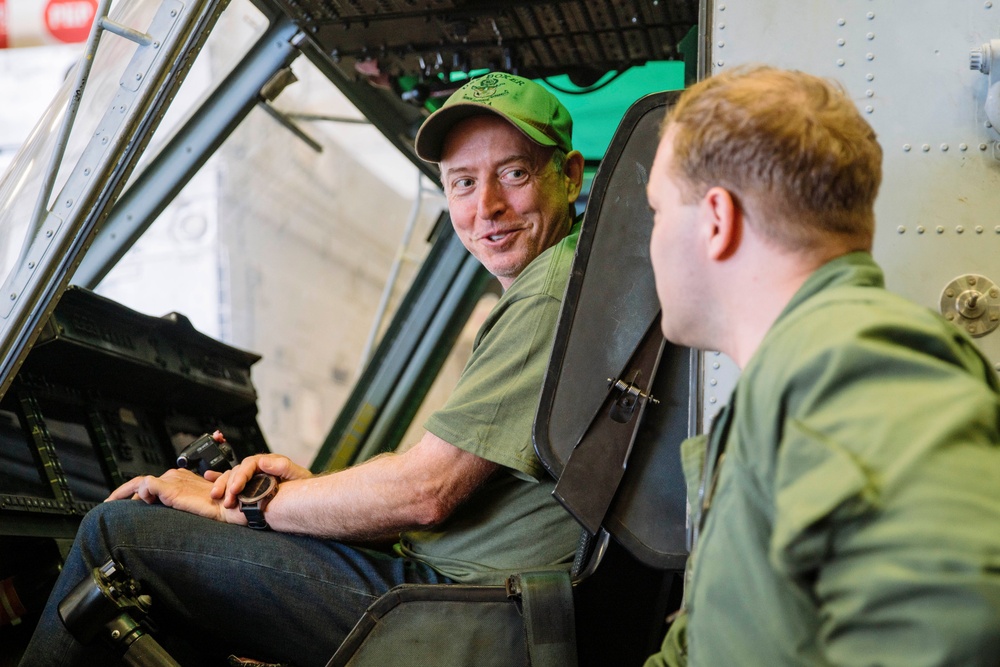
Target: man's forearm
[389, 494]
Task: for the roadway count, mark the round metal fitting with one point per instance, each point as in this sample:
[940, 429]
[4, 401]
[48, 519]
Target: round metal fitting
[972, 302]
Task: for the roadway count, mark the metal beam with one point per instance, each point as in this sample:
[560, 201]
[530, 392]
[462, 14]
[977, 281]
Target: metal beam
[187, 151]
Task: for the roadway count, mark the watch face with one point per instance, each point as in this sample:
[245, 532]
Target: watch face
[256, 487]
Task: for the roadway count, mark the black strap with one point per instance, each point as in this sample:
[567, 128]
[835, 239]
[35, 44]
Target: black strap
[549, 619]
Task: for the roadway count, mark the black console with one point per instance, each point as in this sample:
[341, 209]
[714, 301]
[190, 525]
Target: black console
[106, 394]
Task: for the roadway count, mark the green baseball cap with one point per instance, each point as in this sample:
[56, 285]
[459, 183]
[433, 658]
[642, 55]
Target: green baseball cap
[523, 103]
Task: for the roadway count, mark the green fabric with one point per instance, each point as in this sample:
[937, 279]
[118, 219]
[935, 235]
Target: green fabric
[856, 520]
[527, 105]
[512, 524]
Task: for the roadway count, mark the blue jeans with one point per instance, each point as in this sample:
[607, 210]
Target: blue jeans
[221, 589]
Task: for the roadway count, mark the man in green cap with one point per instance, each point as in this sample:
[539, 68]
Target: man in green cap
[470, 502]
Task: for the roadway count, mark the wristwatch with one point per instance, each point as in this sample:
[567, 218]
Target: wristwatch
[258, 491]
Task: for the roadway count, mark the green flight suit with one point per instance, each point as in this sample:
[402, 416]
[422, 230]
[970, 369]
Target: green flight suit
[856, 516]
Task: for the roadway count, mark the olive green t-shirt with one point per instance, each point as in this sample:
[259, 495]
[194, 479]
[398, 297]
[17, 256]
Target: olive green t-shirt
[511, 524]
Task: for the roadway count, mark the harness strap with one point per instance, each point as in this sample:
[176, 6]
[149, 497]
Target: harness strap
[549, 619]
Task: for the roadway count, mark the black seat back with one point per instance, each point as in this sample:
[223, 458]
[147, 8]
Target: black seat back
[611, 311]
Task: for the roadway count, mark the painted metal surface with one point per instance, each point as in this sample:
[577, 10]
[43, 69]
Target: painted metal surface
[909, 67]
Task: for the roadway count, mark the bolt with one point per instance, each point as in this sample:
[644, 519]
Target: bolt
[920, 229]
[115, 634]
[871, 15]
[870, 56]
[870, 76]
[994, 292]
[949, 293]
[925, 147]
[840, 62]
[939, 229]
[963, 147]
[944, 147]
[841, 22]
[869, 109]
[979, 229]
[901, 229]
[841, 42]
[959, 229]
[950, 316]
[869, 93]
[907, 147]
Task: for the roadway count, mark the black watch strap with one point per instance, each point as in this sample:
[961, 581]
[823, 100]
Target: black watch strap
[258, 491]
[255, 515]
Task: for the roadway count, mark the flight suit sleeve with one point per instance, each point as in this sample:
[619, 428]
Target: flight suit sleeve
[886, 507]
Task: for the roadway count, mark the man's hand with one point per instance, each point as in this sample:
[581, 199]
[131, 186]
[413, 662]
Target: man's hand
[227, 486]
[180, 489]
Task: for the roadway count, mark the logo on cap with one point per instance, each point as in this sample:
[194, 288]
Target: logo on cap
[484, 88]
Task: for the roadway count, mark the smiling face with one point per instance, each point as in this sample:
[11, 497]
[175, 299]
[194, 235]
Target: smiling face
[507, 199]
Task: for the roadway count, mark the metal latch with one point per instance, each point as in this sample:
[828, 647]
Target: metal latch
[629, 397]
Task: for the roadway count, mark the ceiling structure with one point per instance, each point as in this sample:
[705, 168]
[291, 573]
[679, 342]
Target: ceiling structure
[397, 60]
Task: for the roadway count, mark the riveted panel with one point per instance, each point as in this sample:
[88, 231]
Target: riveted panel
[908, 67]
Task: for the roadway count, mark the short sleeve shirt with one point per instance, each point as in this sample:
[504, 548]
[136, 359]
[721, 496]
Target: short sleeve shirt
[512, 523]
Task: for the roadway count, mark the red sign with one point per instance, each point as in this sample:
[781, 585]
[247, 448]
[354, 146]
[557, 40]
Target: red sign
[70, 20]
[3, 24]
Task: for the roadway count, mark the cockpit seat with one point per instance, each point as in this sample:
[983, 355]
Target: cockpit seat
[615, 405]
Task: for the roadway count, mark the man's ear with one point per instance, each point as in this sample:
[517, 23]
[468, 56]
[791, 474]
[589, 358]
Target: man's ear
[573, 171]
[724, 222]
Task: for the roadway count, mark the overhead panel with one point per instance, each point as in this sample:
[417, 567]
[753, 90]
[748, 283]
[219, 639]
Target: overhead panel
[414, 53]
